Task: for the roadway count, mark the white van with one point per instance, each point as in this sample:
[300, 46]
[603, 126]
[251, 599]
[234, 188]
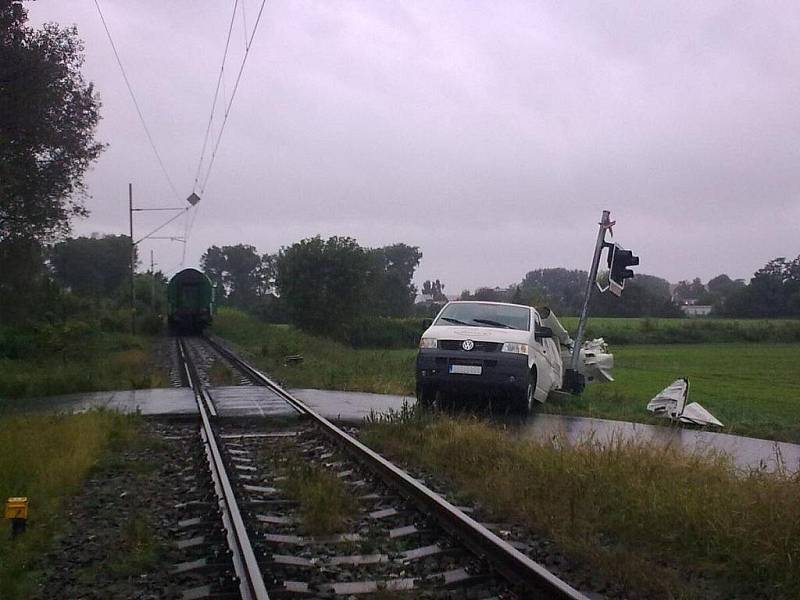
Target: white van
[500, 347]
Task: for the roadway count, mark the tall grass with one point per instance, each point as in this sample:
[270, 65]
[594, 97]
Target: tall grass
[107, 362]
[46, 458]
[650, 517]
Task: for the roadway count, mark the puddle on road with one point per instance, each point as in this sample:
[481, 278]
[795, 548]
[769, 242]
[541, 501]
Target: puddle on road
[747, 453]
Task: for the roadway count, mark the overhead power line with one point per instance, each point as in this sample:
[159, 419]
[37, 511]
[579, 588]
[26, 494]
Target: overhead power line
[135, 102]
[233, 95]
[164, 224]
[216, 95]
[221, 83]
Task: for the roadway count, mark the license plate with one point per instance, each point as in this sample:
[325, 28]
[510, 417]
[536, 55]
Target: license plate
[466, 369]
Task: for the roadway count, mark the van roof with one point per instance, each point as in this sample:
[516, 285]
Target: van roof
[490, 302]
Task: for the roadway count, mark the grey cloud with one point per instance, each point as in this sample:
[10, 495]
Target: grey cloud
[489, 134]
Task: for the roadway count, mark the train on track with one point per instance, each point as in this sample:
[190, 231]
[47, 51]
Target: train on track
[190, 301]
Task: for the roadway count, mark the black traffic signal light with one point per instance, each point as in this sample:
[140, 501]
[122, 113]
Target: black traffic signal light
[619, 261]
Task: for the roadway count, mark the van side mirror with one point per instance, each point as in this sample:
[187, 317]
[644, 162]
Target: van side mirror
[427, 323]
[542, 333]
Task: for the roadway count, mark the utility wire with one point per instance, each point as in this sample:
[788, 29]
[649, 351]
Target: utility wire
[160, 227]
[216, 95]
[221, 82]
[244, 23]
[135, 102]
[233, 95]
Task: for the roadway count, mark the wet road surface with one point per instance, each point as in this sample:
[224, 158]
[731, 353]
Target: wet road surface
[160, 401]
[746, 452]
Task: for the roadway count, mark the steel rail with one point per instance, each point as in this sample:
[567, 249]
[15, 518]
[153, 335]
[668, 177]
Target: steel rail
[251, 581]
[515, 566]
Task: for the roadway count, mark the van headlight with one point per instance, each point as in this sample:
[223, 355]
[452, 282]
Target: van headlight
[514, 348]
[428, 343]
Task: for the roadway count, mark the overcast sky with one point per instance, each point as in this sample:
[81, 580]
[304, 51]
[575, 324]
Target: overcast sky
[489, 134]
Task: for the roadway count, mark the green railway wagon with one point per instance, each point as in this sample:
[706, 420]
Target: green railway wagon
[190, 301]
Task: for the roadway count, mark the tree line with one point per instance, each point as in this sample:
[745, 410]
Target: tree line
[323, 286]
[773, 291]
[48, 119]
[333, 286]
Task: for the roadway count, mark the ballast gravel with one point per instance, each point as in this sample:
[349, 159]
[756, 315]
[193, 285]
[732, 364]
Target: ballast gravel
[117, 539]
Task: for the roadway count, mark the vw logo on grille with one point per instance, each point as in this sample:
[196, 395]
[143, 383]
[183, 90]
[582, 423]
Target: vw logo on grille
[467, 345]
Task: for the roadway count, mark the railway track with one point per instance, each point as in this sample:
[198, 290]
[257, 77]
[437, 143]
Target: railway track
[404, 539]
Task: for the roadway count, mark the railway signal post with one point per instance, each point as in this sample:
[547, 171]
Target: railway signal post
[619, 261]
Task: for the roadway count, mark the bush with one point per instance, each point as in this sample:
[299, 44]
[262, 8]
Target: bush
[382, 332]
[17, 344]
[620, 331]
[150, 324]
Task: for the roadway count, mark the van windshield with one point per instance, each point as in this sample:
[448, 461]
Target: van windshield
[476, 314]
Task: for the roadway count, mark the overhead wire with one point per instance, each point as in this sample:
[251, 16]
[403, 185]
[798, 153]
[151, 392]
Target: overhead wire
[164, 224]
[189, 225]
[233, 96]
[216, 95]
[244, 23]
[221, 82]
[135, 102]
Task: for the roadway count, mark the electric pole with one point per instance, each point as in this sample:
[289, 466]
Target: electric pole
[133, 260]
[152, 283]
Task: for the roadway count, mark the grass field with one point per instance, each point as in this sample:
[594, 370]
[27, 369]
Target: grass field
[661, 524]
[46, 459]
[754, 389]
[108, 361]
[326, 364]
[619, 331]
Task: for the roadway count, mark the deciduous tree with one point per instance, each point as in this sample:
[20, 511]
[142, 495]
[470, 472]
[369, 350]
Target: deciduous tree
[392, 291]
[92, 266]
[323, 282]
[243, 277]
[435, 289]
[48, 116]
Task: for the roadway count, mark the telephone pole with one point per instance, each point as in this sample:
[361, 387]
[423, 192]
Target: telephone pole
[133, 260]
[152, 283]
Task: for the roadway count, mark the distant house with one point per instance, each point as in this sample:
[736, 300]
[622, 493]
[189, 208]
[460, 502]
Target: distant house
[696, 310]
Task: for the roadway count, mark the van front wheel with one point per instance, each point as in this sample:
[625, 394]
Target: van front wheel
[527, 400]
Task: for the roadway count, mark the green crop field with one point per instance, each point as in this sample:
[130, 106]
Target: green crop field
[753, 389]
